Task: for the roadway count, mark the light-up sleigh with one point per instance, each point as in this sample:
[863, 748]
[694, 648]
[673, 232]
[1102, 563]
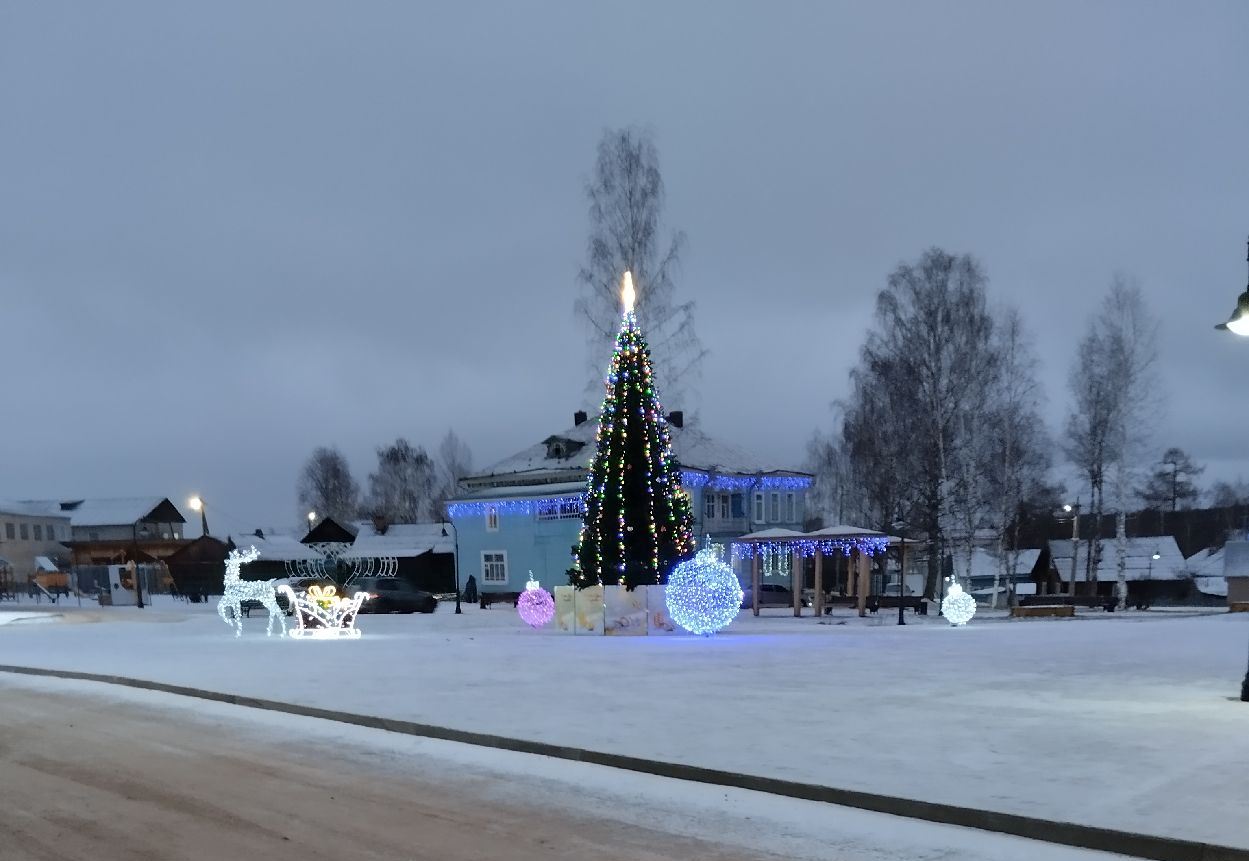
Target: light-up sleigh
[324, 614]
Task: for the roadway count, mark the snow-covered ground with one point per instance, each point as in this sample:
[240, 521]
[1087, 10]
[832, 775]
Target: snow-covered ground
[1125, 721]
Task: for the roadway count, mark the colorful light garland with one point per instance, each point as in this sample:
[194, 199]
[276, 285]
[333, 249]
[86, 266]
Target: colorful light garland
[703, 595]
[808, 546]
[535, 605]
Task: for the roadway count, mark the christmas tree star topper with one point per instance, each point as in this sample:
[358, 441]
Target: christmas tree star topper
[627, 294]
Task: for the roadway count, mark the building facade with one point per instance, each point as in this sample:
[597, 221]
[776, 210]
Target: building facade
[28, 532]
[523, 514]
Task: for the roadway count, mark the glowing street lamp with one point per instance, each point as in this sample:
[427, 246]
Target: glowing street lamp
[1238, 324]
[312, 520]
[197, 504]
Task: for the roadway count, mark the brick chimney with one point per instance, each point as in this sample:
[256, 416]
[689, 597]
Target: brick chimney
[676, 418]
[380, 524]
[579, 418]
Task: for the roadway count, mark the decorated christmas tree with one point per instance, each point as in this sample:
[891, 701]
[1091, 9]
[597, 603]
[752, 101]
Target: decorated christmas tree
[638, 522]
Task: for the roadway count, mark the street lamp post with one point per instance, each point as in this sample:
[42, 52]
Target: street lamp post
[1238, 324]
[901, 582]
[312, 520]
[1075, 540]
[197, 504]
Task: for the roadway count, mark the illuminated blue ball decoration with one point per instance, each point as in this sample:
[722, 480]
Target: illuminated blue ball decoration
[703, 594]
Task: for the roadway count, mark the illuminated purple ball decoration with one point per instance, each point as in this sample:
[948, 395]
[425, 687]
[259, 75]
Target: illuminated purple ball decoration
[703, 594]
[535, 605]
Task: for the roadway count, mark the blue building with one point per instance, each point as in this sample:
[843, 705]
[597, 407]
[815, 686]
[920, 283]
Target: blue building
[524, 513]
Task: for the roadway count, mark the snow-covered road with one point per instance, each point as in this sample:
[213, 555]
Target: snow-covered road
[1127, 721]
[90, 771]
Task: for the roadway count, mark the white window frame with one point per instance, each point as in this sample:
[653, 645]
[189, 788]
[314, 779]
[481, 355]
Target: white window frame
[709, 505]
[492, 519]
[760, 507]
[726, 510]
[791, 507]
[500, 560]
[774, 507]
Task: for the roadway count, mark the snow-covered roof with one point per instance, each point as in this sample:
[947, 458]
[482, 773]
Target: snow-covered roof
[572, 450]
[566, 488]
[122, 511]
[1140, 564]
[776, 533]
[29, 509]
[43, 563]
[1206, 563]
[984, 563]
[275, 548]
[842, 531]
[401, 540]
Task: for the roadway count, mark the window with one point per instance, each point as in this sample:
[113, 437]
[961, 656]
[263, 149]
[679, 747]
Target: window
[38, 531]
[93, 536]
[492, 519]
[738, 503]
[791, 508]
[774, 510]
[25, 532]
[494, 566]
[51, 532]
[709, 505]
[10, 531]
[724, 506]
[758, 507]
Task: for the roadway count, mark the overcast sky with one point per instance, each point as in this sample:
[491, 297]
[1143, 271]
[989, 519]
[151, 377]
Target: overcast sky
[233, 232]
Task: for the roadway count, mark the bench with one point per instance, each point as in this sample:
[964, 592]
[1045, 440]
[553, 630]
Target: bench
[488, 598]
[914, 603]
[1036, 610]
[1107, 603]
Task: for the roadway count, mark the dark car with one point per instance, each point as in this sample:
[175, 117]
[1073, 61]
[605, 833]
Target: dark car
[771, 595]
[392, 595]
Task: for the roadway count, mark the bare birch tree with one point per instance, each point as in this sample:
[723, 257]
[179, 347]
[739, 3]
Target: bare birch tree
[919, 394]
[454, 461]
[1019, 447]
[326, 486]
[626, 205]
[401, 490]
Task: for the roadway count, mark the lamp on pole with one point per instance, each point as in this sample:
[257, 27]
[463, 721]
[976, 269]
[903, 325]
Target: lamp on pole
[901, 526]
[312, 520]
[1238, 324]
[197, 504]
[1074, 511]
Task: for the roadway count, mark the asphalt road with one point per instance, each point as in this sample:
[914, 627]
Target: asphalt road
[85, 777]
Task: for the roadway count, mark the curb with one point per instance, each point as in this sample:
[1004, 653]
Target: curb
[1044, 830]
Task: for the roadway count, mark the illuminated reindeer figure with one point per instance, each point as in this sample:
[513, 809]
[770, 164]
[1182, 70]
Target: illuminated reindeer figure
[237, 591]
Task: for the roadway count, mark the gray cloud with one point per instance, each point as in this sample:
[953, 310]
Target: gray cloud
[233, 232]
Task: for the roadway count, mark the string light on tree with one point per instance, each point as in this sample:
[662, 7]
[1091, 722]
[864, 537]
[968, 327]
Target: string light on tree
[703, 595]
[637, 521]
[958, 607]
[535, 605]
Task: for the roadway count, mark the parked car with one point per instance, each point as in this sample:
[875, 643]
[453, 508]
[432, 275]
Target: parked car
[771, 595]
[392, 595]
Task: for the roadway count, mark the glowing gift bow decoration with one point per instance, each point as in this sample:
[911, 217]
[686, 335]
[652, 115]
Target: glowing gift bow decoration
[535, 605]
[323, 613]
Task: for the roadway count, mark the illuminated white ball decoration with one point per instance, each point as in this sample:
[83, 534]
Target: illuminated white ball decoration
[703, 594]
[958, 607]
[535, 605]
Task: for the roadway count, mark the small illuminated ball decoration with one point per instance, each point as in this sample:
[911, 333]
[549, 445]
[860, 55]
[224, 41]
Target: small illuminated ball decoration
[703, 594]
[535, 605]
[958, 607]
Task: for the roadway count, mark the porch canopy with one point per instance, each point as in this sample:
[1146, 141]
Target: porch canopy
[856, 544]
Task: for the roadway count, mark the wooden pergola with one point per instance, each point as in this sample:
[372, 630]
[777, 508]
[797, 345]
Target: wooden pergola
[857, 545]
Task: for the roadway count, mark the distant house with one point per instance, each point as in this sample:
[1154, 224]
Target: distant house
[198, 567]
[109, 531]
[28, 532]
[422, 553]
[279, 555]
[1149, 579]
[1206, 570]
[985, 566]
[524, 513]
